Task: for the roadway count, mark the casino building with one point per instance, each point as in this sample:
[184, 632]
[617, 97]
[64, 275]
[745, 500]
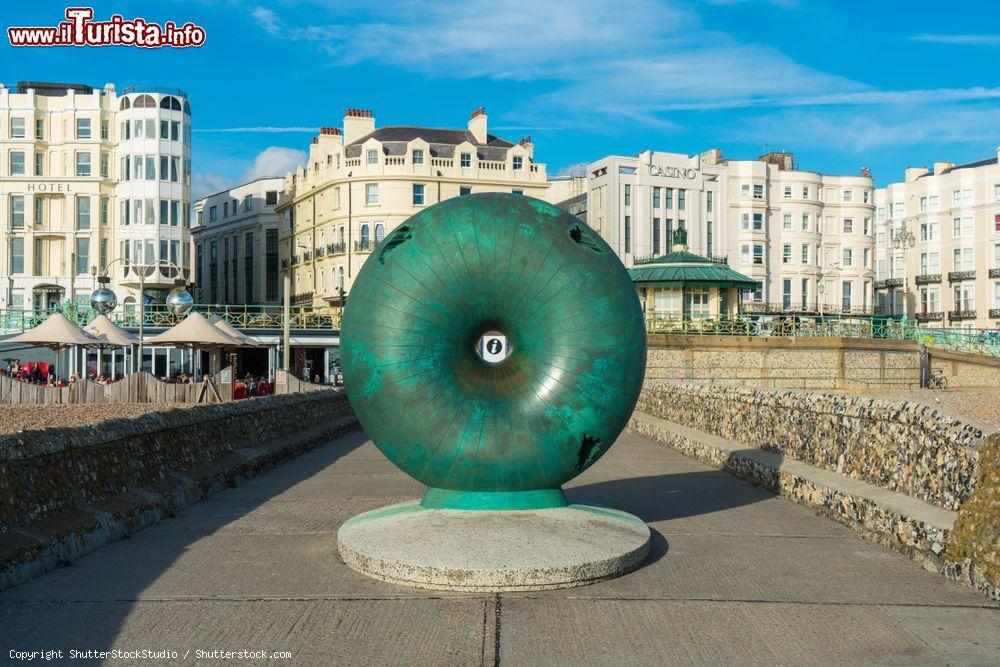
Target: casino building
[806, 238]
[361, 181]
[89, 176]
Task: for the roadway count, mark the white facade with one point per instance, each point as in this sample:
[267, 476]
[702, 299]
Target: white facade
[807, 237]
[938, 245]
[89, 176]
[236, 245]
[361, 181]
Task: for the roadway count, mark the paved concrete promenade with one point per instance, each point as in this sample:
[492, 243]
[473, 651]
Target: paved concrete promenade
[736, 575]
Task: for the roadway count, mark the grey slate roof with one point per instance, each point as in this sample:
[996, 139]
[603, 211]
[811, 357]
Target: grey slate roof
[968, 165]
[576, 205]
[442, 142]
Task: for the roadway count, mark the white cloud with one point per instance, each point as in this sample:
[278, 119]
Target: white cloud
[207, 183]
[858, 132]
[605, 66]
[272, 161]
[267, 20]
[578, 169]
[967, 40]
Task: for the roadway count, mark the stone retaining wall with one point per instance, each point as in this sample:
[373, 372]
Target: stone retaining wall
[905, 447]
[974, 546]
[913, 537]
[898, 445]
[65, 492]
[54, 469]
[779, 362]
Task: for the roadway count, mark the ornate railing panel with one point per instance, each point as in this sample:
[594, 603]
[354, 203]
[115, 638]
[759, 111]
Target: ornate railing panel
[157, 315]
[982, 341]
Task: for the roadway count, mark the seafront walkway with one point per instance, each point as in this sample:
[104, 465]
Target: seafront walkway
[736, 575]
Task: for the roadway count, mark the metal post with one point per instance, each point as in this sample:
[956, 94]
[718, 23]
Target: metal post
[286, 316]
[142, 310]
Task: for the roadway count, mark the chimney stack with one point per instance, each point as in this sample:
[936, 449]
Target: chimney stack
[913, 173]
[942, 167]
[357, 123]
[477, 125]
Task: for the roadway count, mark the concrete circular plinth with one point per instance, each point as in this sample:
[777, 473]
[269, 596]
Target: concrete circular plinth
[484, 550]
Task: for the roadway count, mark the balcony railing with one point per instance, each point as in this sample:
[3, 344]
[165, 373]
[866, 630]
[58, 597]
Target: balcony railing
[285, 264]
[160, 90]
[928, 279]
[995, 273]
[335, 248]
[961, 275]
[762, 308]
[930, 317]
[889, 283]
[961, 315]
[302, 298]
[362, 246]
[320, 251]
[715, 259]
[995, 313]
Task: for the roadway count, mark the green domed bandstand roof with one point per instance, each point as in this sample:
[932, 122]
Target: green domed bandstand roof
[682, 267]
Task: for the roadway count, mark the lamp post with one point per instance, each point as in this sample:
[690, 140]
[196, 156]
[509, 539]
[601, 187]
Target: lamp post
[286, 310]
[903, 238]
[821, 287]
[179, 300]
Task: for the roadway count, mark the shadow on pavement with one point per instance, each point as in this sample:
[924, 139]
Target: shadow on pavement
[658, 498]
[673, 496]
[107, 599]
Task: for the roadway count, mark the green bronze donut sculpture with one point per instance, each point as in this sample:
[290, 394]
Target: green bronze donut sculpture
[495, 432]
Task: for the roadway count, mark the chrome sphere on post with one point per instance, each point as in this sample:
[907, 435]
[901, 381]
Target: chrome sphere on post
[103, 300]
[179, 301]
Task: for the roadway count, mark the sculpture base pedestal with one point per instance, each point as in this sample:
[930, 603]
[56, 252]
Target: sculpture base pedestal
[485, 550]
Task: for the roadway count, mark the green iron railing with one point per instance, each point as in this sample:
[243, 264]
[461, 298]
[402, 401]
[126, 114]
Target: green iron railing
[158, 315]
[980, 341]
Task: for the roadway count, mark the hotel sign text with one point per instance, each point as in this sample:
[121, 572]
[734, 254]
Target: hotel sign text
[673, 172]
[49, 187]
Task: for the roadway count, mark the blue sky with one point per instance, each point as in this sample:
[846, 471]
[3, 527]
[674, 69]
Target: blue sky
[843, 84]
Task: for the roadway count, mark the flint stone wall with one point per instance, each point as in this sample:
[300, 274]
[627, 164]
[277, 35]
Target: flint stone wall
[898, 445]
[974, 546]
[51, 470]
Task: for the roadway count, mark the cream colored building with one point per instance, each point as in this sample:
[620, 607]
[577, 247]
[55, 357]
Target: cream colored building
[938, 245]
[807, 237]
[88, 176]
[360, 182]
[563, 188]
[235, 236]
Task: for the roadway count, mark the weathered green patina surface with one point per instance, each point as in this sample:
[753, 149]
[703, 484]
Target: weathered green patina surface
[481, 435]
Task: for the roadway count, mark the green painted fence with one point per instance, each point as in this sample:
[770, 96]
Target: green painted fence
[980, 341]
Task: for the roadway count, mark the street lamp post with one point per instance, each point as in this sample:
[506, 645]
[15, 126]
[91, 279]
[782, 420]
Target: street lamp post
[903, 238]
[286, 310]
[178, 302]
[821, 286]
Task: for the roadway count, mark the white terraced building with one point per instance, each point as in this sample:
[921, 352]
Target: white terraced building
[938, 245]
[89, 176]
[807, 237]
